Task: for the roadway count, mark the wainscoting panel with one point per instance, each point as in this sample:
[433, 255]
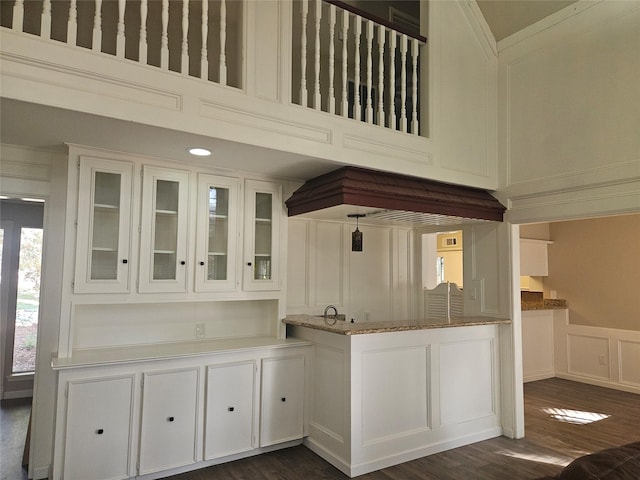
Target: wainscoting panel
[588, 355]
[629, 362]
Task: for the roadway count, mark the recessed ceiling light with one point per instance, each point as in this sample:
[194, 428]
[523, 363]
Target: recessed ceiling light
[200, 152]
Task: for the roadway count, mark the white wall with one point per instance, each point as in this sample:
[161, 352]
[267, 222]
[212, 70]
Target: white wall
[42, 173]
[569, 114]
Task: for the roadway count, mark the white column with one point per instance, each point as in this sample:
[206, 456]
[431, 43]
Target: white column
[369, 103]
[204, 61]
[45, 20]
[332, 56]
[345, 39]
[304, 12]
[223, 43]
[381, 43]
[72, 24]
[120, 39]
[96, 44]
[356, 76]
[164, 41]
[184, 58]
[317, 99]
[18, 15]
[142, 45]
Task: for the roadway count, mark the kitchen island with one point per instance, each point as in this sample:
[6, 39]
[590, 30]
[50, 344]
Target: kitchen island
[384, 393]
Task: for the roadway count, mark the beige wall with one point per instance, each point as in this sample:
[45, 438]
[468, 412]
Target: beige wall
[595, 265]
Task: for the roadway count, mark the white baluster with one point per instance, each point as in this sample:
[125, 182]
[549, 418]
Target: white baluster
[345, 73]
[142, 46]
[120, 40]
[332, 56]
[96, 43]
[392, 80]
[369, 71]
[72, 24]
[223, 42]
[403, 81]
[356, 76]
[45, 20]
[184, 62]
[414, 92]
[317, 99]
[164, 40]
[18, 15]
[304, 12]
[381, 43]
[204, 61]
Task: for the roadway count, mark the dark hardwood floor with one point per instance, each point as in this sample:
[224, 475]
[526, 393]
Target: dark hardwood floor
[564, 420]
[14, 419]
[556, 416]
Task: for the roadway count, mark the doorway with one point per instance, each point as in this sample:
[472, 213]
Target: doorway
[21, 236]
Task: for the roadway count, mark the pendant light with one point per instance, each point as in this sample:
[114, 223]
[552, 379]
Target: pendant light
[356, 236]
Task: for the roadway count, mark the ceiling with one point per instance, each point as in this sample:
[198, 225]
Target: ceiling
[506, 17]
[50, 128]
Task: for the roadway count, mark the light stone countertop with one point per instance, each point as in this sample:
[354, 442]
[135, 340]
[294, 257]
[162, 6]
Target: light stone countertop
[317, 322]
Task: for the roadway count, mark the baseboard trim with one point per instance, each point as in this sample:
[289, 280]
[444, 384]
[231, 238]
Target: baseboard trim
[599, 383]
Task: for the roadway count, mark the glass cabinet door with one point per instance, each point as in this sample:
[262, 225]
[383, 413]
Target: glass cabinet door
[163, 236]
[262, 230]
[217, 233]
[103, 229]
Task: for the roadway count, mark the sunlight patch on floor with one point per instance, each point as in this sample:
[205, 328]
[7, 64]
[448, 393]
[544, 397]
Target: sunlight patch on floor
[532, 457]
[576, 417]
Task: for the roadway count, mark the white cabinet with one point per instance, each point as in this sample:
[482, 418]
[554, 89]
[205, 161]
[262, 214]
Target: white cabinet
[262, 211]
[169, 419]
[98, 428]
[103, 226]
[281, 415]
[229, 410]
[164, 230]
[534, 257]
[217, 233]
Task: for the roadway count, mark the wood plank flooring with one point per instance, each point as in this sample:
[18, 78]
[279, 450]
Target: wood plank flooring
[548, 446]
[550, 443]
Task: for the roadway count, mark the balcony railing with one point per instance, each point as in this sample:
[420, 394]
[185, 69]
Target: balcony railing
[355, 65]
[345, 62]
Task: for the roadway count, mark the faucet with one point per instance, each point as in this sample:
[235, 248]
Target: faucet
[334, 317]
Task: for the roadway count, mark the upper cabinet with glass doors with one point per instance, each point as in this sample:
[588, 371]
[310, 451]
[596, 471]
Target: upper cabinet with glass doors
[164, 230]
[217, 233]
[262, 235]
[103, 226]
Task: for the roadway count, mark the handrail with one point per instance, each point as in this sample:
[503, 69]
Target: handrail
[379, 20]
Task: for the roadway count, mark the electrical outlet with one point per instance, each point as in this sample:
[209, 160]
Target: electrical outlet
[602, 359]
[199, 330]
[366, 316]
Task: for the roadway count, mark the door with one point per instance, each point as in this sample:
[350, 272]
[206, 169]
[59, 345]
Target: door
[98, 429]
[164, 230]
[281, 416]
[217, 233]
[21, 237]
[103, 226]
[229, 409]
[169, 416]
[263, 208]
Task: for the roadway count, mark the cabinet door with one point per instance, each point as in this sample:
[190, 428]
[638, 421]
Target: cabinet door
[281, 417]
[164, 235]
[229, 409]
[103, 226]
[263, 208]
[98, 429]
[217, 233]
[169, 419]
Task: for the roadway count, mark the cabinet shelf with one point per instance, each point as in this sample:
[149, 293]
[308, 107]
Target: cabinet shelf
[217, 254]
[166, 212]
[263, 220]
[104, 249]
[164, 252]
[105, 206]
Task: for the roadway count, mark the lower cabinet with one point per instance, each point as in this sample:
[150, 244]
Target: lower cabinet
[169, 418]
[229, 412]
[98, 428]
[281, 415]
[123, 420]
